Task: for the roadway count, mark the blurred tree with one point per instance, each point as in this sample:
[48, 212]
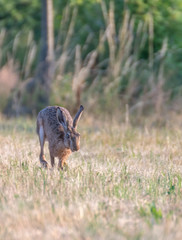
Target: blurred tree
[34, 93]
[24, 15]
[20, 15]
[167, 17]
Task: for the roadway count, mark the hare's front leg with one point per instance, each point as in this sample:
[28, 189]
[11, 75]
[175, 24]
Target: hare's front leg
[42, 141]
[52, 160]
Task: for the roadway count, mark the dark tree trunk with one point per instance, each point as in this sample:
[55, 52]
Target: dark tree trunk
[45, 70]
[47, 36]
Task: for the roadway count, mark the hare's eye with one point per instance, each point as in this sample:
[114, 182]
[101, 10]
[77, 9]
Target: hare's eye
[68, 135]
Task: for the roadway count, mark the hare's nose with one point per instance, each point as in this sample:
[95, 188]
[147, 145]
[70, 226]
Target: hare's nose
[76, 147]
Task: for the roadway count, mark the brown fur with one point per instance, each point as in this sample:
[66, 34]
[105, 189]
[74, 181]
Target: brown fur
[56, 125]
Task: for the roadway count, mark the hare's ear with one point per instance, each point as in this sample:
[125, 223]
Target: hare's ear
[61, 118]
[77, 116]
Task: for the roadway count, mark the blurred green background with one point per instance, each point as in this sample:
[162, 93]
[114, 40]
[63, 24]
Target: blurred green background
[109, 55]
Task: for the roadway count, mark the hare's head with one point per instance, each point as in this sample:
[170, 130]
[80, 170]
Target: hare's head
[71, 136]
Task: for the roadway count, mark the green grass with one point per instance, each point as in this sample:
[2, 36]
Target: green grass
[124, 183]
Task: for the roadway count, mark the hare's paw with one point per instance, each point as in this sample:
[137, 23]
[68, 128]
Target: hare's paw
[62, 166]
[44, 163]
[65, 166]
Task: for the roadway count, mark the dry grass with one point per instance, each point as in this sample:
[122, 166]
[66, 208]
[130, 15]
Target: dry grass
[125, 183]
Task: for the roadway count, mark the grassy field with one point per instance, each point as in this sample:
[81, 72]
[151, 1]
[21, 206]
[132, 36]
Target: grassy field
[124, 183]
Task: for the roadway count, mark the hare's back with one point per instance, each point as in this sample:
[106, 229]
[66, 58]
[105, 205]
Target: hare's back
[49, 117]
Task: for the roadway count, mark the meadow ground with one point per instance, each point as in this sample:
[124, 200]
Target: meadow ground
[124, 183]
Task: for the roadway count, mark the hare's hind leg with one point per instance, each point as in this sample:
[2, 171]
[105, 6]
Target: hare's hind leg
[42, 141]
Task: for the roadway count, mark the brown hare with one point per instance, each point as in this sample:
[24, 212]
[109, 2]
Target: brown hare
[56, 125]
